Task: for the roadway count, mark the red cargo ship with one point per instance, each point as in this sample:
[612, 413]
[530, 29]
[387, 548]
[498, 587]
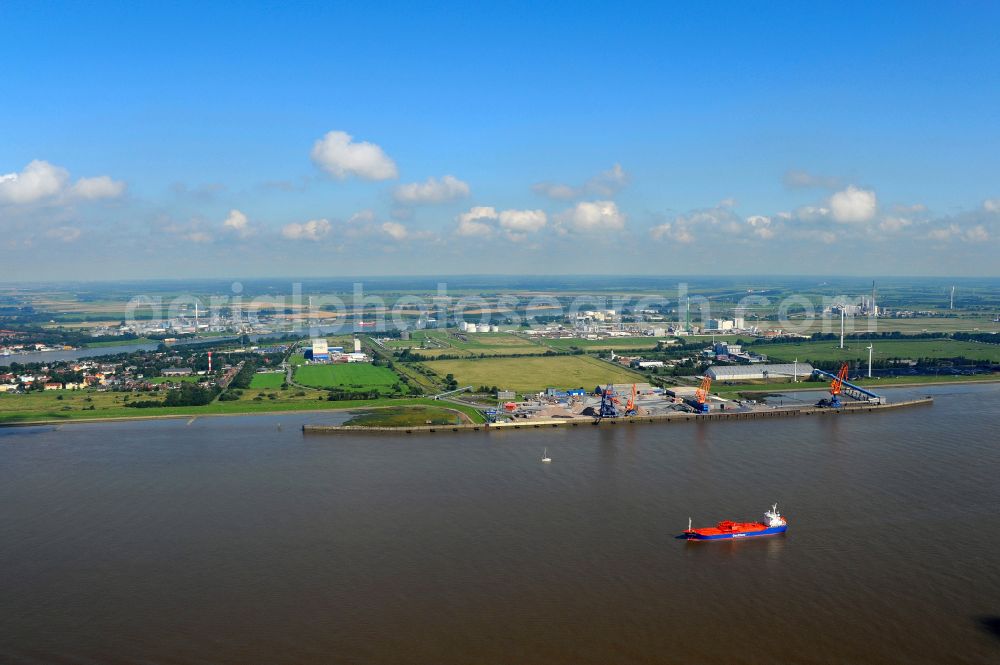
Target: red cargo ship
[773, 524]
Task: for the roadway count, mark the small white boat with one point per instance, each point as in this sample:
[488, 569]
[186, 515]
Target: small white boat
[545, 456]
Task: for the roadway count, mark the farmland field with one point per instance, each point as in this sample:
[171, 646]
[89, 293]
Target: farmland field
[268, 380]
[534, 373]
[346, 375]
[857, 350]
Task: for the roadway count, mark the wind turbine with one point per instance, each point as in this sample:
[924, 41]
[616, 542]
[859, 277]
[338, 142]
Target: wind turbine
[870, 361]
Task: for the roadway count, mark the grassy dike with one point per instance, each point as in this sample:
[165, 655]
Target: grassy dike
[29, 411]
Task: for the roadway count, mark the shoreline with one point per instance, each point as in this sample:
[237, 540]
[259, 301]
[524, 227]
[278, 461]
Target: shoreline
[665, 419]
[195, 416]
[107, 419]
[168, 416]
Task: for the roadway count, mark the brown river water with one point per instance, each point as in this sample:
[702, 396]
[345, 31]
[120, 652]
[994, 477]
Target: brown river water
[240, 540]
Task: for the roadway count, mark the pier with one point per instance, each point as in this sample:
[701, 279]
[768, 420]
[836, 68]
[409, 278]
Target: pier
[665, 419]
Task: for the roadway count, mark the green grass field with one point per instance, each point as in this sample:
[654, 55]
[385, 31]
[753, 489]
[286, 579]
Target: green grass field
[75, 405]
[808, 351]
[173, 379]
[407, 416]
[346, 375]
[268, 380]
[534, 373]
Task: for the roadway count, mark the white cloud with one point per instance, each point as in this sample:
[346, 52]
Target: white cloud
[199, 237]
[523, 221]
[894, 224]
[853, 205]
[42, 181]
[395, 230]
[944, 233]
[671, 231]
[337, 154]
[64, 233]
[760, 226]
[482, 221]
[366, 215]
[720, 220]
[479, 213]
[39, 180]
[476, 222]
[606, 184]
[555, 190]
[811, 213]
[977, 233]
[588, 216]
[991, 205]
[804, 180]
[314, 229]
[101, 187]
[238, 223]
[431, 190]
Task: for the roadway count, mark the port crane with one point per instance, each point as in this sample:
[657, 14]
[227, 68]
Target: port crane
[839, 384]
[700, 395]
[630, 407]
[836, 385]
[608, 401]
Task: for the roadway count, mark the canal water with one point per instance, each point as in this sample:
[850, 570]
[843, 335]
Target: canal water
[240, 540]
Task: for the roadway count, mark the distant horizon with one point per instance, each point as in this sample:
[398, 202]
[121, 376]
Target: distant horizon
[510, 276]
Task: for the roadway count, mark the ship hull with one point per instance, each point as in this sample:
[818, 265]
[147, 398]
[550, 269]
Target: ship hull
[770, 531]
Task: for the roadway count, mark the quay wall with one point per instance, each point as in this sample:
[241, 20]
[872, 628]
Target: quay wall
[781, 412]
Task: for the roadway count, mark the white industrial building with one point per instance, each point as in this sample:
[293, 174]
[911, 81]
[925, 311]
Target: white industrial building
[466, 326]
[721, 324]
[738, 323]
[320, 350]
[759, 371]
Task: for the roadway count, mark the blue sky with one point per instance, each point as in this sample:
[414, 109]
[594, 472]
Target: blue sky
[725, 138]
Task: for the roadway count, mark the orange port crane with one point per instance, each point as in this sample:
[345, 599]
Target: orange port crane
[701, 394]
[837, 384]
[630, 408]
